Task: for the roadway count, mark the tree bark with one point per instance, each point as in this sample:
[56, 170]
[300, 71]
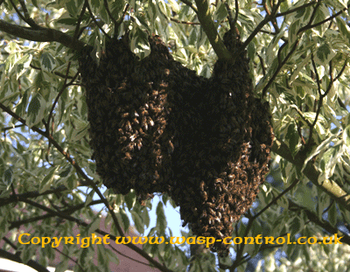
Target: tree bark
[42, 35]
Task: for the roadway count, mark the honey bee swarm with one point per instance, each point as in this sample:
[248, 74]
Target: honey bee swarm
[156, 126]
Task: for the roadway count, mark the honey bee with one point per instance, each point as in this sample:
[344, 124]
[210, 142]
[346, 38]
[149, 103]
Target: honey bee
[128, 156]
[151, 122]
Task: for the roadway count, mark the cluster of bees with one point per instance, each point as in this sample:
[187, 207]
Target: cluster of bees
[156, 126]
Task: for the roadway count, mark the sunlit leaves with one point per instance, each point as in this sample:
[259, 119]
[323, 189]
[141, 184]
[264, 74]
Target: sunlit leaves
[36, 110]
[161, 220]
[48, 179]
[346, 136]
[324, 53]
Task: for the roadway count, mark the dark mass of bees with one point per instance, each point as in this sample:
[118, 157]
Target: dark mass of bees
[156, 126]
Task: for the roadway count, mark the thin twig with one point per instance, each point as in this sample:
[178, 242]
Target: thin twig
[70, 258]
[14, 257]
[262, 65]
[56, 73]
[8, 128]
[274, 22]
[109, 12]
[80, 18]
[255, 32]
[70, 210]
[316, 73]
[322, 22]
[51, 139]
[302, 116]
[17, 11]
[126, 256]
[272, 79]
[320, 101]
[267, 19]
[188, 3]
[295, 9]
[84, 224]
[342, 70]
[240, 249]
[229, 15]
[320, 222]
[42, 34]
[236, 13]
[72, 162]
[184, 22]
[121, 19]
[25, 18]
[10, 243]
[295, 182]
[92, 16]
[32, 194]
[65, 85]
[25, 10]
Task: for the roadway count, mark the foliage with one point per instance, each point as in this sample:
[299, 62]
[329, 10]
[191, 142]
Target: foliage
[298, 55]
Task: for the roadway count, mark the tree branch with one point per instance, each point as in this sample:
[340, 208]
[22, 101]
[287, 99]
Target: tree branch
[26, 17]
[80, 171]
[119, 22]
[84, 224]
[32, 194]
[188, 3]
[310, 171]
[13, 257]
[41, 35]
[276, 198]
[65, 85]
[280, 65]
[316, 220]
[70, 210]
[70, 258]
[56, 73]
[322, 22]
[209, 29]
[92, 16]
[109, 12]
[184, 22]
[76, 31]
[295, 9]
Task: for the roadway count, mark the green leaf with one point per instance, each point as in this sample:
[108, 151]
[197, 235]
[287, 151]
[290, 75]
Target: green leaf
[81, 129]
[332, 214]
[293, 31]
[112, 256]
[137, 221]
[48, 180]
[94, 225]
[36, 110]
[8, 174]
[35, 3]
[122, 217]
[346, 136]
[293, 138]
[324, 54]
[95, 4]
[23, 64]
[47, 61]
[67, 21]
[62, 266]
[130, 200]
[72, 8]
[161, 220]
